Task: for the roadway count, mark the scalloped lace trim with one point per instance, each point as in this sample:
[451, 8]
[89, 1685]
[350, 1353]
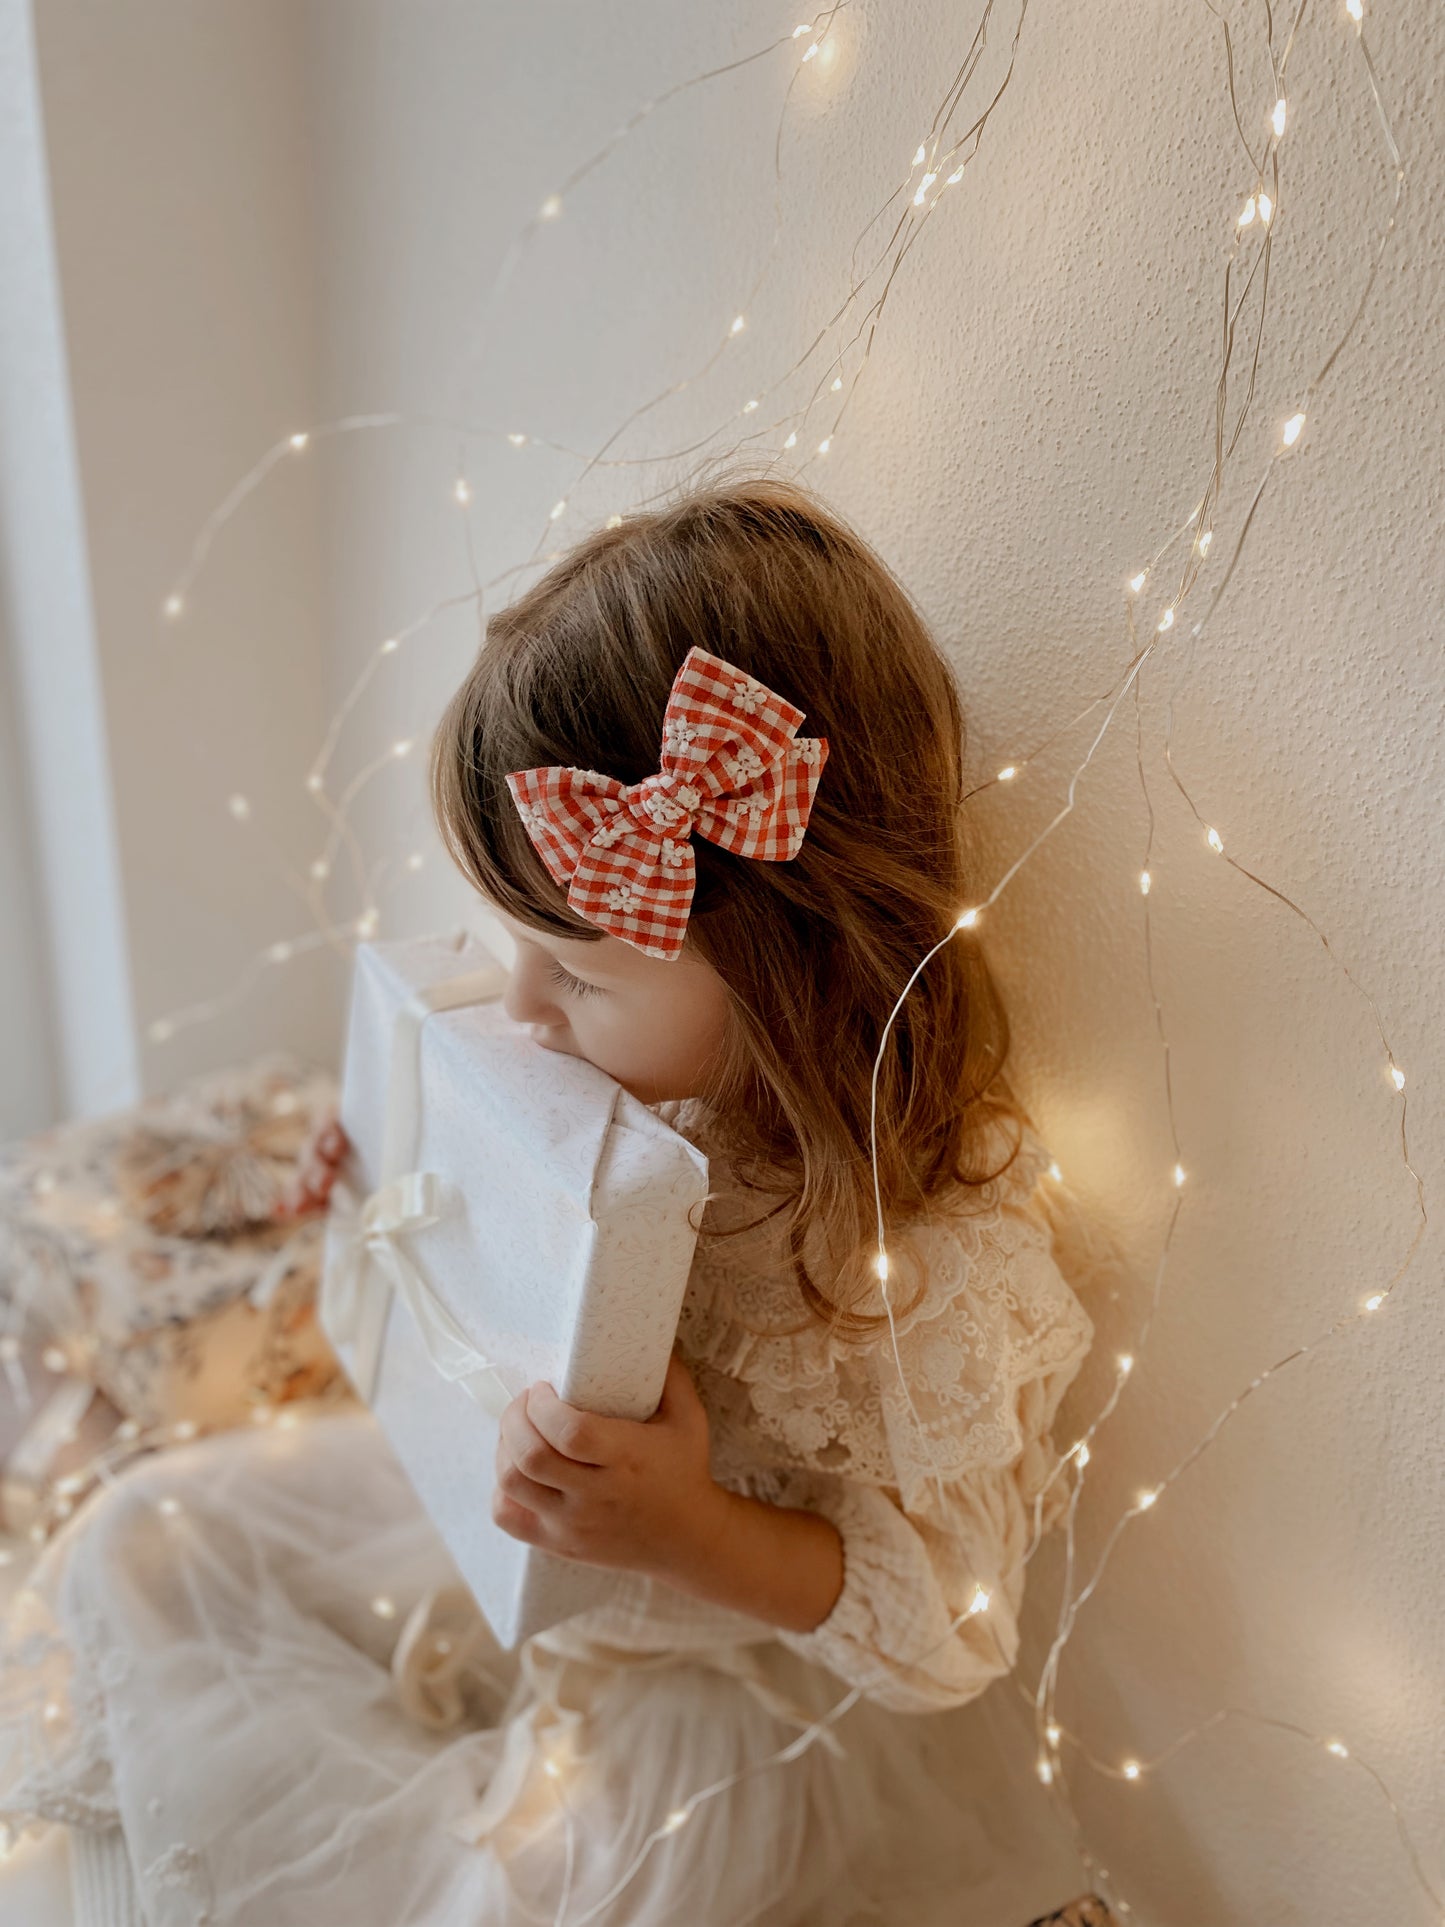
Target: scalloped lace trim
[997, 1313]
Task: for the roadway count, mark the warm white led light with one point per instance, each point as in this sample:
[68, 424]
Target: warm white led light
[1145, 883]
[298, 442]
[1126, 1363]
[1397, 1077]
[390, 646]
[551, 207]
[320, 869]
[1292, 429]
[1246, 213]
[1132, 1769]
[1082, 1455]
[798, 32]
[811, 51]
[240, 807]
[1339, 1749]
[919, 156]
[1145, 1500]
[1178, 1175]
[954, 178]
[1136, 582]
[383, 1607]
[1008, 772]
[837, 383]
[923, 187]
[517, 441]
[173, 606]
[462, 490]
[880, 1265]
[1054, 1731]
[739, 323]
[1374, 1302]
[825, 444]
[1215, 841]
[415, 861]
[1055, 1173]
[1276, 119]
[1045, 1772]
[170, 1507]
[1355, 11]
[1166, 621]
[967, 920]
[792, 441]
[1205, 540]
[402, 747]
[313, 783]
[558, 508]
[1266, 208]
[979, 1602]
[674, 1819]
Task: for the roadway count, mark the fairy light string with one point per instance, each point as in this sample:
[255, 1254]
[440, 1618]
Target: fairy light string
[1257, 217]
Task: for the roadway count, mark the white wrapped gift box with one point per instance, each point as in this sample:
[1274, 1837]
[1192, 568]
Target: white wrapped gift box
[509, 1214]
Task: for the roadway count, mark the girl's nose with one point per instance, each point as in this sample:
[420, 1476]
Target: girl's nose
[528, 998]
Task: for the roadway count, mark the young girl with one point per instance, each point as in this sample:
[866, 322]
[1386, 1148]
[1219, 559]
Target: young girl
[708, 774]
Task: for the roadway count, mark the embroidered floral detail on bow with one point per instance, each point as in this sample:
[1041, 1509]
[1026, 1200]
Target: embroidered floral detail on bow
[733, 771]
[745, 767]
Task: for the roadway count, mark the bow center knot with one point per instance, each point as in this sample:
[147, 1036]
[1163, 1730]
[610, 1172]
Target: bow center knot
[669, 806]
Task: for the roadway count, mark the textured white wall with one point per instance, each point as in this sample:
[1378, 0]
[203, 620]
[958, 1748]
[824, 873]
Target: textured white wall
[1034, 418]
[67, 1039]
[177, 144]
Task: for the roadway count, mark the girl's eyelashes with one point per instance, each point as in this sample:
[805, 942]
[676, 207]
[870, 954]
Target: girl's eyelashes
[574, 985]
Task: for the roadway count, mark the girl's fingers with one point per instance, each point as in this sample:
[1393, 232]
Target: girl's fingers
[515, 1485]
[531, 1455]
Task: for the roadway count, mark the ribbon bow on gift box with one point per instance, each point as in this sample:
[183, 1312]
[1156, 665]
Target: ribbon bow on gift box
[373, 1265]
[370, 1265]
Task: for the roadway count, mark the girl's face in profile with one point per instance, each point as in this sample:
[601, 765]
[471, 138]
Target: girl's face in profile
[653, 1025]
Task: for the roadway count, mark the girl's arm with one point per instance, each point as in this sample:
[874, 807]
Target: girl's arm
[779, 1563]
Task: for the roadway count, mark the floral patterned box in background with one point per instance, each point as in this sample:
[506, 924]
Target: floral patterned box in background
[142, 1260]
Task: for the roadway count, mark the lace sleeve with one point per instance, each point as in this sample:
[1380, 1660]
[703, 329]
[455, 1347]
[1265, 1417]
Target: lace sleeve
[903, 1629]
[965, 1429]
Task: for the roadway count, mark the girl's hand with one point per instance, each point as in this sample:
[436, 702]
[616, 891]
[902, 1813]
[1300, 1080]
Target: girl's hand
[629, 1493]
[323, 1157]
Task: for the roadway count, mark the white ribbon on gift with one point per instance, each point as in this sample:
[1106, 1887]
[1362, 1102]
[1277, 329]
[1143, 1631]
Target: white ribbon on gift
[373, 1266]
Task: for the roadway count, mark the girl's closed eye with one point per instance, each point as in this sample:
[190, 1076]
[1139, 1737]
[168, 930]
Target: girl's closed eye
[574, 986]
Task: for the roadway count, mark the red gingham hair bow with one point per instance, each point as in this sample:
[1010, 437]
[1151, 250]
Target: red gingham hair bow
[732, 770]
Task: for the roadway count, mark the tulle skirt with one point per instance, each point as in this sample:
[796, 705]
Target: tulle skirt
[254, 1656]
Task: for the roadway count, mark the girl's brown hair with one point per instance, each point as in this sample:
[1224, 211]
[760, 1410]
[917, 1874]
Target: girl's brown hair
[814, 952]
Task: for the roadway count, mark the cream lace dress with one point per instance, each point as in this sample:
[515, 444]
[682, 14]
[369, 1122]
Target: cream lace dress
[248, 1677]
